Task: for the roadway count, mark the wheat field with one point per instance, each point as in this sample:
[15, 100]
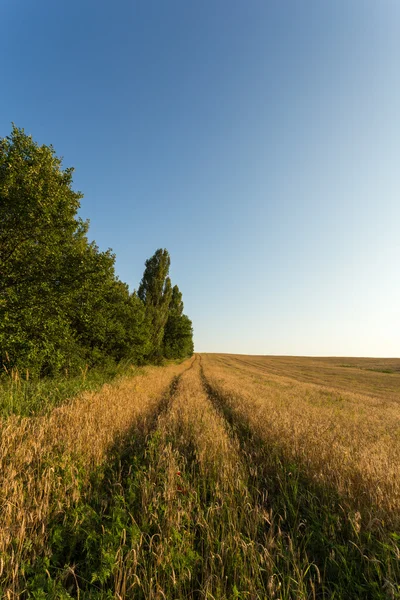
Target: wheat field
[223, 477]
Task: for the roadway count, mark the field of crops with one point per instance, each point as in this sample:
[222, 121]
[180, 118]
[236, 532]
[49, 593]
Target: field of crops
[222, 477]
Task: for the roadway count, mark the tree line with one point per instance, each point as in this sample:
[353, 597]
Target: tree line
[62, 307]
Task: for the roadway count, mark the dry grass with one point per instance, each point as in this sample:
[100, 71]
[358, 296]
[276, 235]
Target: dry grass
[346, 440]
[45, 462]
[375, 377]
[207, 528]
[215, 479]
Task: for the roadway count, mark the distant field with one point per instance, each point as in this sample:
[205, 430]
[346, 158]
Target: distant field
[325, 414]
[224, 477]
[379, 377]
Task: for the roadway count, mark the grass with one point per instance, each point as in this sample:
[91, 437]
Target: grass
[212, 479]
[25, 396]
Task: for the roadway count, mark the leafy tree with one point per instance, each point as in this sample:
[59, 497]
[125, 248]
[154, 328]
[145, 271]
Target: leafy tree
[61, 305]
[178, 332]
[39, 238]
[37, 213]
[109, 321]
[176, 305]
[156, 293]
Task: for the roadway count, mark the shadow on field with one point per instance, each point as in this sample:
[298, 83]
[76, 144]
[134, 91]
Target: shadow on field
[84, 541]
[318, 531]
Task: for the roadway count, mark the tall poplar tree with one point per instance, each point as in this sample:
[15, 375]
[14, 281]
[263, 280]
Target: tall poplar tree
[176, 304]
[156, 293]
[178, 332]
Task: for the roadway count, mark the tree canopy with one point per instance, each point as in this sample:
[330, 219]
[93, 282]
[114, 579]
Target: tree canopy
[178, 332]
[156, 294]
[61, 304]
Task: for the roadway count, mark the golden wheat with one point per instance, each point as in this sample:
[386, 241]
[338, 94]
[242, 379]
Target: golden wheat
[198, 500]
[195, 494]
[347, 440]
[40, 458]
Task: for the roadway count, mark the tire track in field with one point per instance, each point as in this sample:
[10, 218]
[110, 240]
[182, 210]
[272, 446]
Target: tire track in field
[207, 485]
[166, 400]
[238, 429]
[271, 484]
[190, 527]
[71, 561]
[213, 512]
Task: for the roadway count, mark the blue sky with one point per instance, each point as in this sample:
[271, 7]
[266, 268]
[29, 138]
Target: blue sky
[258, 141]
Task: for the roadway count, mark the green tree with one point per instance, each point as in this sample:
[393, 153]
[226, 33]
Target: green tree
[37, 212]
[39, 240]
[110, 323]
[176, 305]
[178, 332]
[138, 342]
[156, 293]
[61, 305]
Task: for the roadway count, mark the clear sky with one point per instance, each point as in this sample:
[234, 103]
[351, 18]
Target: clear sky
[258, 141]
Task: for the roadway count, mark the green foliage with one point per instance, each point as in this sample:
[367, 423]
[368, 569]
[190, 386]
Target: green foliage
[178, 332]
[37, 213]
[39, 243]
[156, 293]
[61, 305]
[176, 304]
[178, 337]
[38, 396]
